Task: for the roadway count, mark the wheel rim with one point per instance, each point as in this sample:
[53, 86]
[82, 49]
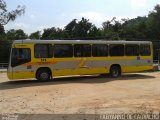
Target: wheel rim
[44, 76]
[115, 72]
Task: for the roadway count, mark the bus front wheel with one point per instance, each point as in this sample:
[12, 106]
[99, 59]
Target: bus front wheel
[43, 75]
[115, 71]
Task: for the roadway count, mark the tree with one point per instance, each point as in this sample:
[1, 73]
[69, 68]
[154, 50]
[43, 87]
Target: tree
[80, 29]
[94, 32]
[6, 16]
[112, 28]
[49, 33]
[2, 31]
[4, 49]
[6, 41]
[16, 34]
[70, 28]
[154, 23]
[83, 28]
[135, 28]
[35, 35]
[53, 33]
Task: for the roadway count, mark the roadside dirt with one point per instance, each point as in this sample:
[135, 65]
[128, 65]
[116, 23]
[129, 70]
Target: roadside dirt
[86, 94]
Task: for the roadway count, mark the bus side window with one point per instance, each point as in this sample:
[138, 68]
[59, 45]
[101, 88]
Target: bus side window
[82, 50]
[116, 50]
[145, 50]
[99, 50]
[43, 51]
[131, 50]
[63, 50]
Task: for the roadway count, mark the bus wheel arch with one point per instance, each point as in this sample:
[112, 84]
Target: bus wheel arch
[115, 70]
[43, 74]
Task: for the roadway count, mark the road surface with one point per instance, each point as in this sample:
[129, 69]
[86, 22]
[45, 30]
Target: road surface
[86, 94]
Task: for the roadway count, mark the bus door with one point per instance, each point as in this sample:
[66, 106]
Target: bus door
[82, 53]
[19, 59]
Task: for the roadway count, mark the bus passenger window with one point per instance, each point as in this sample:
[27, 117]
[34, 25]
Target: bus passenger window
[20, 56]
[99, 50]
[82, 50]
[63, 50]
[116, 50]
[145, 50]
[132, 50]
[43, 51]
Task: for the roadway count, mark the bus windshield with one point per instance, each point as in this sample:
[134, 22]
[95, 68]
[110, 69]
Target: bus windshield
[20, 56]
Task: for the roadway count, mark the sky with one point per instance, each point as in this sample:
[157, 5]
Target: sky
[41, 14]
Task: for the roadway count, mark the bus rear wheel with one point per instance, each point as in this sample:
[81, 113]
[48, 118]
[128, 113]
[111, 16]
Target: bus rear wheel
[43, 75]
[115, 71]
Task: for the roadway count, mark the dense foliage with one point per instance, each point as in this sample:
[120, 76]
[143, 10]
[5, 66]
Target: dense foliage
[140, 28]
[5, 38]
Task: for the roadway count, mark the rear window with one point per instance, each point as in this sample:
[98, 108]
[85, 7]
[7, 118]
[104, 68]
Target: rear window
[145, 50]
[132, 50]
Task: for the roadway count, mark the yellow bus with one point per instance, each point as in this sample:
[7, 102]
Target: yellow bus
[46, 59]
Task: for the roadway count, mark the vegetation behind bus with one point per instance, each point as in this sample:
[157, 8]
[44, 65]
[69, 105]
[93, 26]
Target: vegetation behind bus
[140, 28]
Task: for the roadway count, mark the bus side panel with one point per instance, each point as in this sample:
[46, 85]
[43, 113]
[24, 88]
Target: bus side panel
[79, 66]
[75, 67]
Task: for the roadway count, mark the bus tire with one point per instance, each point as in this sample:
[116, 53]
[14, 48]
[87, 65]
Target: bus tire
[43, 75]
[115, 71]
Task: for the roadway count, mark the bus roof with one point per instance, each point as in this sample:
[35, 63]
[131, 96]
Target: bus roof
[82, 41]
